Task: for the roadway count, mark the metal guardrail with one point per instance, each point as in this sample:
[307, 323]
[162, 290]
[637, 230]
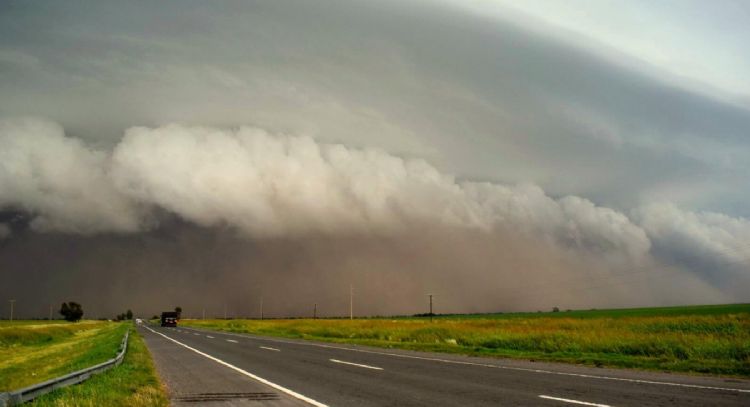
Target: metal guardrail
[21, 396]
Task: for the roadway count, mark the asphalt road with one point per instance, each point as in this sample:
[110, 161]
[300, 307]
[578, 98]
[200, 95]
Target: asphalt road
[297, 372]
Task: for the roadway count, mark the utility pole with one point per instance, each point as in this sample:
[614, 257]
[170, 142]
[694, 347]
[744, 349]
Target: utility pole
[351, 301]
[430, 295]
[261, 308]
[11, 308]
[315, 311]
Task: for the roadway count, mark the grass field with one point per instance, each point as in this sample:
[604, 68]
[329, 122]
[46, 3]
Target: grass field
[5, 323]
[34, 351]
[133, 383]
[700, 339]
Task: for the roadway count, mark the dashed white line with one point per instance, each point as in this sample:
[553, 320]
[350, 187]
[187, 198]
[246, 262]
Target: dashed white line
[585, 403]
[267, 348]
[246, 373]
[355, 364]
[522, 369]
[209, 336]
[232, 340]
[197, 334]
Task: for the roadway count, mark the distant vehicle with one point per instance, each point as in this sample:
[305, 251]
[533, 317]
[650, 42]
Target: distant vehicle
[169, 318]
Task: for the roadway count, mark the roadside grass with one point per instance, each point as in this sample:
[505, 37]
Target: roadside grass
[133, 383]
[34, 352]
[696, 339]
[5, 323]
[687, 310]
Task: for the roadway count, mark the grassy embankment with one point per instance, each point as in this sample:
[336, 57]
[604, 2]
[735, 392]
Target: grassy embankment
[34, 352]
[700, 339]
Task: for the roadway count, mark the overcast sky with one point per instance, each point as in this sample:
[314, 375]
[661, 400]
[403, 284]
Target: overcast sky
[614, 131]
[693, 43]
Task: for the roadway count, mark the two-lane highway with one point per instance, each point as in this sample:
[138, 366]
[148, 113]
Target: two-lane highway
[344, 375]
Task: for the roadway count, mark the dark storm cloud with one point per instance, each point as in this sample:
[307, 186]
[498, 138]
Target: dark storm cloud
[348, 98]
[199, 268]
[302, 215]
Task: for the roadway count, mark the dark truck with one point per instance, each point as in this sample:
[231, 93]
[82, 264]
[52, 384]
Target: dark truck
[169, 318]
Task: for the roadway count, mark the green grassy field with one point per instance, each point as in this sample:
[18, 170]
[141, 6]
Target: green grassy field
[689, 310]
[6, 323]
[712, 339]
[34, 351]
[133, 383]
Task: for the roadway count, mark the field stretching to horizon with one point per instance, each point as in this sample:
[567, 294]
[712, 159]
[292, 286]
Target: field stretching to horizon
[711, 339]
[35, 351]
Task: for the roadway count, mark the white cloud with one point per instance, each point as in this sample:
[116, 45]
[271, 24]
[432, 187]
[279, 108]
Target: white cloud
[274, 185]
[265, 184]
[714, 239]
[572, 221]
[62, 182]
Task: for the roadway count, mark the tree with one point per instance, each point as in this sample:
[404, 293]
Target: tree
[129, 314]
[71, 311]
[178, 310]
[555, 309]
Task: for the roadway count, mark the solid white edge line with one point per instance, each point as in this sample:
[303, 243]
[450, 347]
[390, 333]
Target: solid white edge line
[585, 403]
[232, 340]
[355, 364]
[267, 348]
[246, 373]
[522, 369]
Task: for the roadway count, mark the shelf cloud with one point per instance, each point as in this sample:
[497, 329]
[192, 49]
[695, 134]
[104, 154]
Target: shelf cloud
[507, 156]
[267, 185]
[263, 188]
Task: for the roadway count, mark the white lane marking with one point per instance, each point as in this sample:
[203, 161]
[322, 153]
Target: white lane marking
[267, 348]
[355, 364]
[246, 373]
[232, 340]
[197, 334]
[522, 369]
[585, 403]
[209, 336]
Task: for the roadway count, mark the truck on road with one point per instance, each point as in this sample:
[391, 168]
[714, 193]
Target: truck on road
[169, 318]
